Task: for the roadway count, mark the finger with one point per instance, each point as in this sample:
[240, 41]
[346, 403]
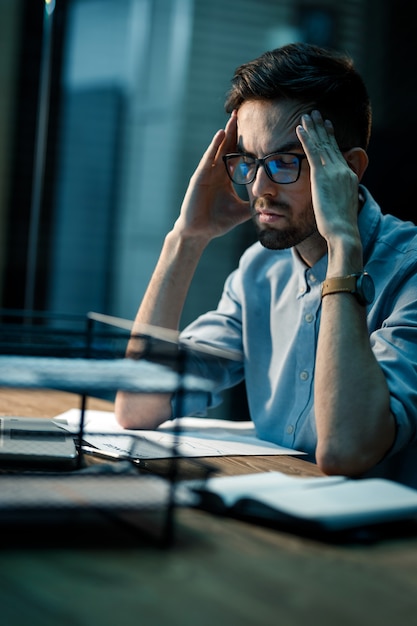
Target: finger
[325, 131]
[223, 141]
[318, 138]
[332, 138]
[209, 156]
[307, 134]
[322, 128]
[232, 121]
[229, 144]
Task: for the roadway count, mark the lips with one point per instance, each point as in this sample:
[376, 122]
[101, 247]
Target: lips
[269, 213]
[268, 217]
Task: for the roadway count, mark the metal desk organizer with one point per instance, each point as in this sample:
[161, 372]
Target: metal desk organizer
[86, 355]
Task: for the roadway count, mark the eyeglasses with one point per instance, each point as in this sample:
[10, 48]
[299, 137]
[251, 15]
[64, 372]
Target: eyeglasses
[281, 167]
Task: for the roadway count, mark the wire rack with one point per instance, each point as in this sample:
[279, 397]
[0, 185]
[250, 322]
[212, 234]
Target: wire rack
[87, 356]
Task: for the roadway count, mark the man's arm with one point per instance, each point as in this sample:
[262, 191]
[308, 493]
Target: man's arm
[161, 306]
[210, 209]
[355, 427]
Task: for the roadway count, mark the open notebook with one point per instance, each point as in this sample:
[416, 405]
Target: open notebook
[327, 504]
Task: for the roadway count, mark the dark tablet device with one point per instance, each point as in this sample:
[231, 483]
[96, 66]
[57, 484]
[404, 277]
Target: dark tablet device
[35, 442]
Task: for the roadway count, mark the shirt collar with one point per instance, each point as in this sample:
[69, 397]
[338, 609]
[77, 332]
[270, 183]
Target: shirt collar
[368, 222]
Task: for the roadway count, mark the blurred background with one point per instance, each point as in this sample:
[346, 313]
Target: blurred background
[107, 105]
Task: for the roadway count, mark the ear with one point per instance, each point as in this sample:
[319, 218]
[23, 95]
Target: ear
[357, 159]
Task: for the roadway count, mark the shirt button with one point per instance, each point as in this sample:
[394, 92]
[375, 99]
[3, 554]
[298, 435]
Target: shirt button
[304, 375]
[309, 317]
[313, 278]
[290, 429]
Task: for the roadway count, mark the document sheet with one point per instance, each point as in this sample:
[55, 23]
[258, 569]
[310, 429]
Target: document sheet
[186, 436]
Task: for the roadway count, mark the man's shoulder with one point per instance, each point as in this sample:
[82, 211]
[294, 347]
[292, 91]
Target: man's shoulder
[385, 230]
[397, 234]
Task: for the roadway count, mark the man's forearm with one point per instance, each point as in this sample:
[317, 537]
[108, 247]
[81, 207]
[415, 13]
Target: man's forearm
[354, 425]
[165, 296]
[161, 306]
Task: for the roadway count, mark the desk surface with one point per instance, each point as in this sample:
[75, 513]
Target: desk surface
[219, 571]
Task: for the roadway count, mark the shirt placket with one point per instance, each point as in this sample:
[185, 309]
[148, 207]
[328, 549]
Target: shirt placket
[306, 344]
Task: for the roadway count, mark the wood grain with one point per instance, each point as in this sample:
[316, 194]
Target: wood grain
[41, 403]
[219, 571]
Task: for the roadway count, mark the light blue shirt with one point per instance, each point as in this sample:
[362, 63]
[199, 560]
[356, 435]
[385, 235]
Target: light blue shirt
[270, 313]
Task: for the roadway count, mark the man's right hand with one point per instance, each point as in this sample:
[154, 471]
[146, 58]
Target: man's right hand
[211, 206]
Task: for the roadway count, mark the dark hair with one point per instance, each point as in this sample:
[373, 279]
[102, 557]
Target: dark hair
[319, 78]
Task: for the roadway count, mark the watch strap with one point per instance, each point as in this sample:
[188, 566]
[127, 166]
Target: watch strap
[339, 284]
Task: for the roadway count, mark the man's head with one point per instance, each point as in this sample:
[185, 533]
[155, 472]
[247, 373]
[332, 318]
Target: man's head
[317, 79]
[271, 94]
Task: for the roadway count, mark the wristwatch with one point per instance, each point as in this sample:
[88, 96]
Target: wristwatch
[359, 285]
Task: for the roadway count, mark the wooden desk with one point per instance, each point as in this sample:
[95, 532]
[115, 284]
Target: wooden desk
[219, 572]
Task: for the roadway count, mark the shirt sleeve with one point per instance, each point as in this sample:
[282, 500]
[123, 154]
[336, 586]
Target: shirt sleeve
[395, 347]
[220, 328]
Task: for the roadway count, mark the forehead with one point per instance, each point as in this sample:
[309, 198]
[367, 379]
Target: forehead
[268, 125]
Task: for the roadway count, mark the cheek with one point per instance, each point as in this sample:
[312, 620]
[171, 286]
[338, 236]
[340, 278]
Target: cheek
[300, 191]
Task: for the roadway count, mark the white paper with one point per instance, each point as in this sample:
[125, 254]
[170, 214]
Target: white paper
[199, 437]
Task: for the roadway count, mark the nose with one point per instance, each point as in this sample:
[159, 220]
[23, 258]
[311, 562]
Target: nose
[263, 185]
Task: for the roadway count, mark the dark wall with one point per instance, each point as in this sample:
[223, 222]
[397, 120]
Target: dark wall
[392, 172]
[23, 153]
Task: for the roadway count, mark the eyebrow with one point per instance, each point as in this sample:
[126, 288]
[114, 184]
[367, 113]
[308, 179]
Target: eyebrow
[286, 147]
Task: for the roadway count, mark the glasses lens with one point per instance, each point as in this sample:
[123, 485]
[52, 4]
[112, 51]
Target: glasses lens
[241, 169]
[283, 168]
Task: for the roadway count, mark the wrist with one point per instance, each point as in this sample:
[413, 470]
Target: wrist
[359, 285]
[345, 257]
[183, 243]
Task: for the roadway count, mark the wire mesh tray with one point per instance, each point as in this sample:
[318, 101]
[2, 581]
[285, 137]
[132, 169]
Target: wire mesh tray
[85, 356]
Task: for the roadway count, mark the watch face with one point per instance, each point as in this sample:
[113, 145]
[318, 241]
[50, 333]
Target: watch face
[366, 288]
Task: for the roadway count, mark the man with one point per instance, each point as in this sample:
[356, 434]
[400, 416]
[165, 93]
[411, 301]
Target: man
[323, 309]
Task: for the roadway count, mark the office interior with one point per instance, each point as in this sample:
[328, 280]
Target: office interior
[106, 107]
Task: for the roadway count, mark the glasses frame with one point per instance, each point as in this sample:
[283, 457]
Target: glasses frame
[262, 161]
